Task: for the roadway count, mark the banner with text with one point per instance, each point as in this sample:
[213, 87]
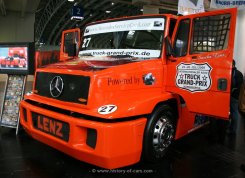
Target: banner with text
[140, 53]
[186, 7]
[126, 25]
[219, 4]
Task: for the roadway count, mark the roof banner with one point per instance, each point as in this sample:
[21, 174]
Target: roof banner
[222, 4]
[186, 7]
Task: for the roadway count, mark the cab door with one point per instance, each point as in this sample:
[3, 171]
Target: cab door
[70, 43]
[200, 68]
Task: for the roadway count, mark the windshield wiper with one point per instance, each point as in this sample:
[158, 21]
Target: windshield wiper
[122, 56]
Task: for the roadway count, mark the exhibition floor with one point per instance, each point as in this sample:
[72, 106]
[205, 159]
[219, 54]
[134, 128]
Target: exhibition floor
[197, 155]
[193, 156]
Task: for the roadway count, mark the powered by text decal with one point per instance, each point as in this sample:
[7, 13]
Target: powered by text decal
[194, 77]
[126, 25]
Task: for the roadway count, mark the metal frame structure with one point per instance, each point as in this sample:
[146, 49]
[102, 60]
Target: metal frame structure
[64, 20]
[49, 11]
[5, 93]
[53, 17]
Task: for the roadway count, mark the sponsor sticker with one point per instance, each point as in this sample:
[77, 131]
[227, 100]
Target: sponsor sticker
[141, 53]
[149, 79]
[126, 25]
[131, 80]
[107, 109]
[194, 77]
[51, 126]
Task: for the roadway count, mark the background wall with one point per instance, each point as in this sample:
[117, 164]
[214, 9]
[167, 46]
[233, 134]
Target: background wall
[14, 28]
[239, 51]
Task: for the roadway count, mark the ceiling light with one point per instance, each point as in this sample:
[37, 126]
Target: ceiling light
[185, 13]
[112, 3]
[108, 12]
[71, 0]
[141, 10]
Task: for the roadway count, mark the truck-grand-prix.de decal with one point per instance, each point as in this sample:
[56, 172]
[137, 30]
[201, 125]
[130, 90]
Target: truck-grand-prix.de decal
[194, 77]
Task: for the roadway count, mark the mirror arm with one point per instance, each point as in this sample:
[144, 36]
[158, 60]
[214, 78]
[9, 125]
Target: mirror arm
[169, 48]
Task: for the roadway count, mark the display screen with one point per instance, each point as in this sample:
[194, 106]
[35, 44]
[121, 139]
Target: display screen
[17, 58]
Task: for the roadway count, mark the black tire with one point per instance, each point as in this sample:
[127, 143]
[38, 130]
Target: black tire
[159, 134]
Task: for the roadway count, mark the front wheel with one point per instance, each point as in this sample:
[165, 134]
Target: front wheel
[159, 134]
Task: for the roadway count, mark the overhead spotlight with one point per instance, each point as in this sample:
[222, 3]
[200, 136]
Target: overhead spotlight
[185, 13]
[141, 10]
[71, 0]
[112, 3]
[108, 12]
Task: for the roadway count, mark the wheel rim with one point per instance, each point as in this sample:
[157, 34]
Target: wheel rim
[162, 136]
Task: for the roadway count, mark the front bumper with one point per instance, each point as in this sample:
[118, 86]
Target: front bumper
[113, 145]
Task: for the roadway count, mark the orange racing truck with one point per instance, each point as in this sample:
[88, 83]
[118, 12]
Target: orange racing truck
[133, 86]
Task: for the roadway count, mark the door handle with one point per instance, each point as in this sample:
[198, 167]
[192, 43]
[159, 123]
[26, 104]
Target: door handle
[222, 84]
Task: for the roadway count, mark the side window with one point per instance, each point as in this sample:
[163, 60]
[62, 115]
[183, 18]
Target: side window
[171, 27]
[210, 33]
[76, 40]
[181, 41]
[68, 40]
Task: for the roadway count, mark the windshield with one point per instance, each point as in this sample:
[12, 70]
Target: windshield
[138, 38]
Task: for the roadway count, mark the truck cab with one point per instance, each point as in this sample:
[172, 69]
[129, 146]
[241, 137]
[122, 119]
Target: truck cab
[131, 86]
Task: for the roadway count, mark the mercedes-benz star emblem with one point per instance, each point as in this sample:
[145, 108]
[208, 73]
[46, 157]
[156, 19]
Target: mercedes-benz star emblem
[56, 86]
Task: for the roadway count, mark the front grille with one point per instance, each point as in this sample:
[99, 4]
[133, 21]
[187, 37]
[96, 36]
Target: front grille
[75, 88]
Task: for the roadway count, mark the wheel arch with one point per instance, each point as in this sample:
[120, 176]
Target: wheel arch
[174, 104]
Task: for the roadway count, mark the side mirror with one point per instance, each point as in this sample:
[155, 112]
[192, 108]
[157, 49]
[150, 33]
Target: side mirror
[169, 48]
[71, 49]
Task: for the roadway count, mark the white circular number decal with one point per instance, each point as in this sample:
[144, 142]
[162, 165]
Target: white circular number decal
[107, 109]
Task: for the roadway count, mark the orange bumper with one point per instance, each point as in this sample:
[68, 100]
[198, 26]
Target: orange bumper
[107, 145]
